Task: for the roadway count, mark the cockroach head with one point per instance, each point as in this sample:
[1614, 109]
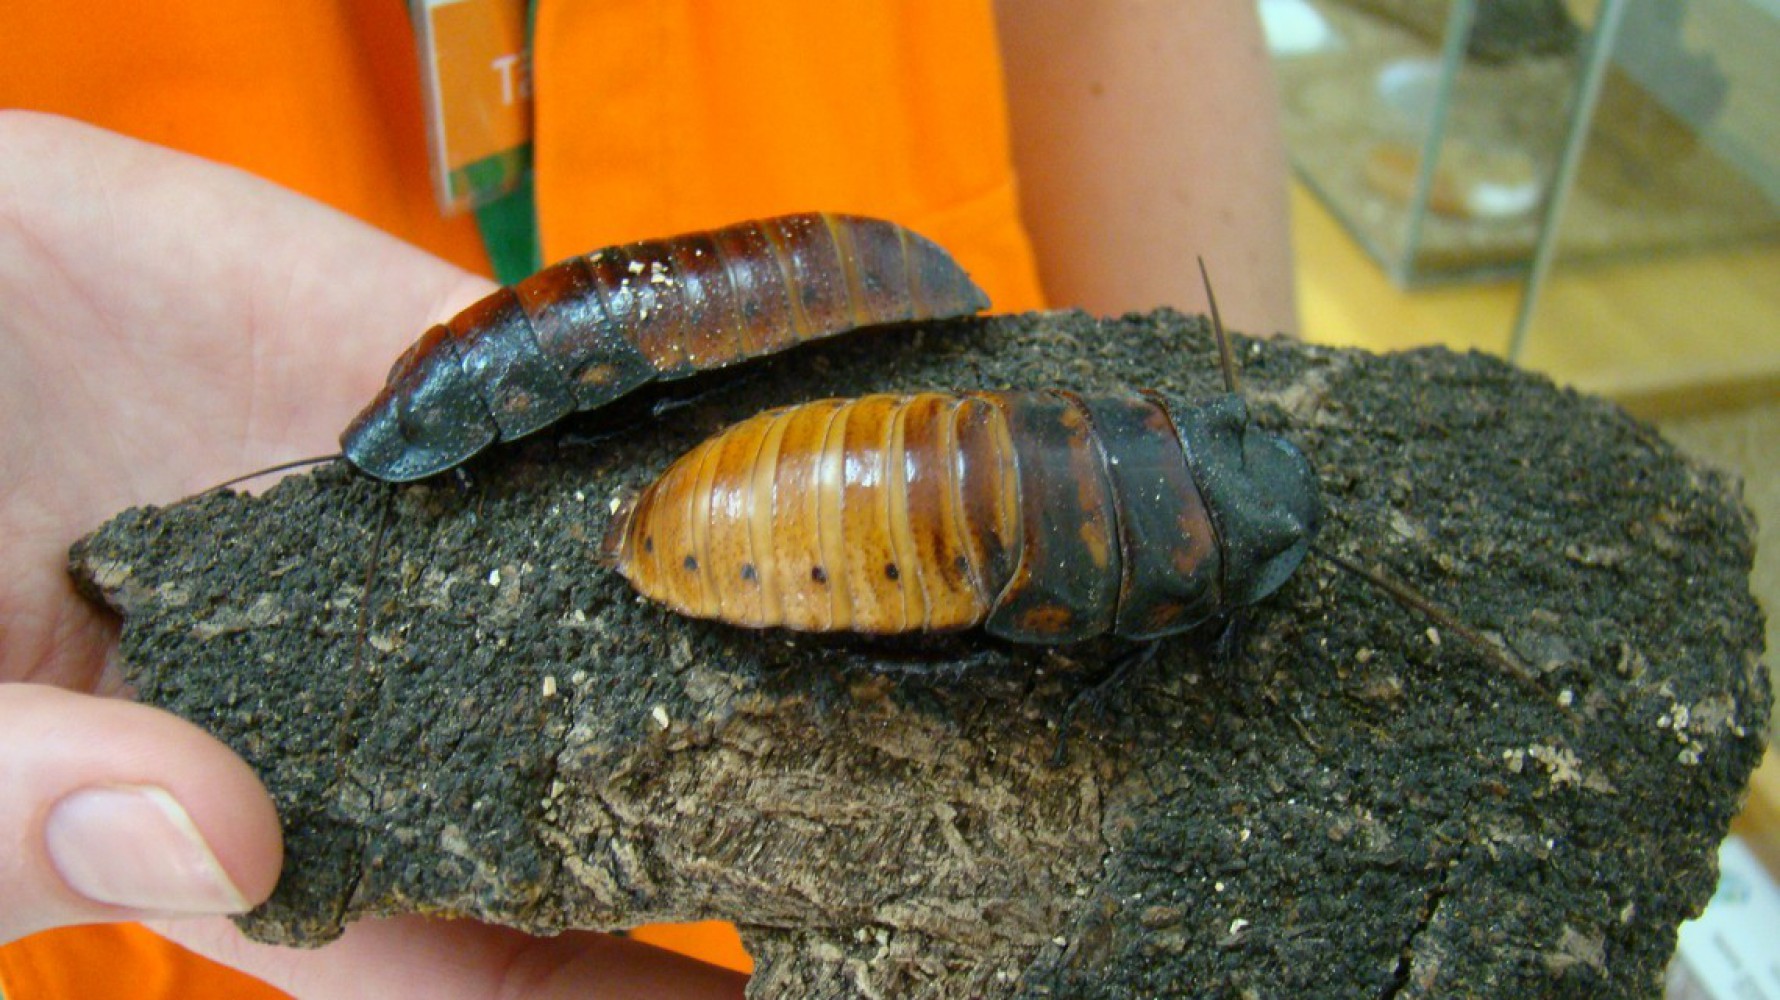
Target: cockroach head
[1262, 494]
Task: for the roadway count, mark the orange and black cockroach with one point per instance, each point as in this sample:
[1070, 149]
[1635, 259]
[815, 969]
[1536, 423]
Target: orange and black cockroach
[586, 331]
[1039, 516]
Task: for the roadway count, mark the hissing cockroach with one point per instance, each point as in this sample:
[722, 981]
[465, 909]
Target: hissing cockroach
[590, 329]
[1042, 516]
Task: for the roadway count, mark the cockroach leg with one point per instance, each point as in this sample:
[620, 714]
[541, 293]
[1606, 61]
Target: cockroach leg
[1096, 695]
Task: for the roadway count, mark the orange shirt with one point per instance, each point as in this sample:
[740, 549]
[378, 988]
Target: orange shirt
[708, 113]
[649, 119]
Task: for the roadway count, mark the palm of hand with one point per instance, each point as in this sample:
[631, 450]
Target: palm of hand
[168, 324]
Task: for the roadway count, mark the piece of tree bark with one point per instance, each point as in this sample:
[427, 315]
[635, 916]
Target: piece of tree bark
[459, 711]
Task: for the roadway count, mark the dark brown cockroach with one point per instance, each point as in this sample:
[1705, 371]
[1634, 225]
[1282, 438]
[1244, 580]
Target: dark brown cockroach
[581, 333]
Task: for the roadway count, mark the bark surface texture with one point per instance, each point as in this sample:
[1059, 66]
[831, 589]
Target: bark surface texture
[1337, 800]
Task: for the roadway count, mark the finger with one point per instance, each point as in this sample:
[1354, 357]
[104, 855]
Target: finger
[112, 811]
[462, 960]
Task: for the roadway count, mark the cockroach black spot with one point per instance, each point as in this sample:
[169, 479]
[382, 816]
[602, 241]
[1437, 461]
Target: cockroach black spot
[891, 572]
[818, 574]
[748, 573]
[649, 544]
[691, 564]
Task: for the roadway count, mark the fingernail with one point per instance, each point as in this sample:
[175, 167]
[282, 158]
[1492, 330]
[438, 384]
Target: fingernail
[135, 846]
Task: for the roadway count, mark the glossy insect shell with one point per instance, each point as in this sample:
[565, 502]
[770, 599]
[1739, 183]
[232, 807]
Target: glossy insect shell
[586, 331]
[1041, 516]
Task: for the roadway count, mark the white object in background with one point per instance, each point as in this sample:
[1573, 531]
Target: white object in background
[1294, 28]
[1410, 87]
[1733, 949]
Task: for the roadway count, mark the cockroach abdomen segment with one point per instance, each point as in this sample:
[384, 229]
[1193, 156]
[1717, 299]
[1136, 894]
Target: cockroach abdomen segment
[644, 288]
[866, 527]
[762, 293]
[1066, 586]
[574, 330]
[523, 388]
[1171, 564]
[928, 509]
[814, 273]
[937, 286]
[637, 313]
[988, 493]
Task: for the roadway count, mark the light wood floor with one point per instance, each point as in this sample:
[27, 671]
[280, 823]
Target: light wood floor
[1677, 334]
[1688, 340]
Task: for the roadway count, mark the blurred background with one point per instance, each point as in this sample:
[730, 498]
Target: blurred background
[1591, 189]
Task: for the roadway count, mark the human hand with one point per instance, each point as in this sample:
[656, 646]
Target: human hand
[166, 324]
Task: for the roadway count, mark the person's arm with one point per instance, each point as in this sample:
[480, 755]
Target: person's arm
[1146, 133]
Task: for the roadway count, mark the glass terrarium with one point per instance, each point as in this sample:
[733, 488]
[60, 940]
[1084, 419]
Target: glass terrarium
[1442, 134]
[1666, 203]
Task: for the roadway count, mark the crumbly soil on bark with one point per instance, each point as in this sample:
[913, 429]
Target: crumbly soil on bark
[459, 711]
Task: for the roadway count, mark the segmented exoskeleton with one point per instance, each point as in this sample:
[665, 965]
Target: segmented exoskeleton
[582, 333]
[1043, 516]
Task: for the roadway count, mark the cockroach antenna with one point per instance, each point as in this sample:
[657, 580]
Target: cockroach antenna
[280, 467]
[1226, 360]
[1406, 596]
[1414, 600]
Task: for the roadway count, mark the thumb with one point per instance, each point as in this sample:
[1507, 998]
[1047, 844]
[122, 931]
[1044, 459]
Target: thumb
[116, 811]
